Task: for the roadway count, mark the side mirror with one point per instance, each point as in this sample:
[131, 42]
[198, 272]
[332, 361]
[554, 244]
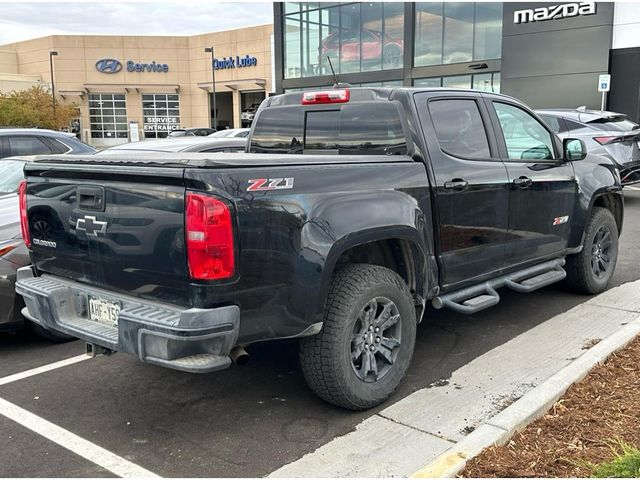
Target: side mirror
[574, 149]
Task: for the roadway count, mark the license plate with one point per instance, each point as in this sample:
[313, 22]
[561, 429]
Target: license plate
[103, 311]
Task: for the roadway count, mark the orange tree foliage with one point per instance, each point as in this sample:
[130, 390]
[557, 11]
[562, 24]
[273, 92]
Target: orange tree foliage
[34, 108]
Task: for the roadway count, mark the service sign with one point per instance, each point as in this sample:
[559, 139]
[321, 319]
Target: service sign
[161, 124]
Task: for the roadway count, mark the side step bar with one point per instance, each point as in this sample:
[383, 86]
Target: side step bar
[478, 297]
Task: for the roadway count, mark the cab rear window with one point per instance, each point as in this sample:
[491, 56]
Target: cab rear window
[350, 129]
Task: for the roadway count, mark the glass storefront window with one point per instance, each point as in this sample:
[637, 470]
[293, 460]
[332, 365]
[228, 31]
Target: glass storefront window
[350, 38]
[428, 82]
[488, 82]
[457, 44]
[108, 115]
[161, 113]
[428, 46]
[457, 81]
[487, 37]
[457, 32]
[358, 37]
[293, 59]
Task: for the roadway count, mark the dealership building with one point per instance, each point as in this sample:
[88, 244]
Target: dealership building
[146, 84]
[128, 87]
[547, 54]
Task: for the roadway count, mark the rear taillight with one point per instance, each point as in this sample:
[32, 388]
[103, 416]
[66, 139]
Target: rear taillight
[607, 140]
[326, 96]
[24, 222]
[209, 237]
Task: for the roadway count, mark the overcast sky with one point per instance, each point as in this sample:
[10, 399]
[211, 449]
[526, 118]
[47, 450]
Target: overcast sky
[22, 20]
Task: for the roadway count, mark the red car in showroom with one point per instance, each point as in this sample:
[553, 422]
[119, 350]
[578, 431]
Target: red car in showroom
[375, 46]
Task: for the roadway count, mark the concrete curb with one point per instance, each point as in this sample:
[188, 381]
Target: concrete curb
[500, 428]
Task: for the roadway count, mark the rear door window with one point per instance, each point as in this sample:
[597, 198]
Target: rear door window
[459, 128]
[28, 145]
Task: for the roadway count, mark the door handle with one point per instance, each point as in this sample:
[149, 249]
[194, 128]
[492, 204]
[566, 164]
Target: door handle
[456, 184]
[522, 182]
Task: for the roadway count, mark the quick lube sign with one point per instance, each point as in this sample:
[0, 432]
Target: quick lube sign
[112, 65]
[554, 12]
[234, 62]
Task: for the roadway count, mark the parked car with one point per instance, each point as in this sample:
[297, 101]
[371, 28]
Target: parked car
[351, 211]
[365, 46]
[187, 144]
[191, 132]
[249, 113]
[231, 133]
[13, 252]
[609, 134]
[36, 141]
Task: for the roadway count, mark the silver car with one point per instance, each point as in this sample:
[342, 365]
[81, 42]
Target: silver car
[609, 134]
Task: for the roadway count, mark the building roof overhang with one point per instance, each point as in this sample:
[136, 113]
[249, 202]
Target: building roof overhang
[231, 85]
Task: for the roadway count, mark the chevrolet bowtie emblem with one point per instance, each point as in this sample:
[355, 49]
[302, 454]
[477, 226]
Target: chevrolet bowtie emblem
[91, 226]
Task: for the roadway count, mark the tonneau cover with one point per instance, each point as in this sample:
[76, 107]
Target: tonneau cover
[210, 160]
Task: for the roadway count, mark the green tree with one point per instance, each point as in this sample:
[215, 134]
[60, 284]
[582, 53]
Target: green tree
[34, 108]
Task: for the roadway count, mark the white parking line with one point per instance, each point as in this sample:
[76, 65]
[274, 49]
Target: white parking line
[45, 368]
[632, 188]
[90, 451]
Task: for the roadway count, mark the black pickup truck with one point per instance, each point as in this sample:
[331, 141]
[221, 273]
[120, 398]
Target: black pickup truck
[350, 212]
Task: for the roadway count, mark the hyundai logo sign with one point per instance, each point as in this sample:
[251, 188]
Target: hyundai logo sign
[108, 65]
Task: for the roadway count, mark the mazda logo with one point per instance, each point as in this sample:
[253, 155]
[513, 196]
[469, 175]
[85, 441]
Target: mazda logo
[108, 65]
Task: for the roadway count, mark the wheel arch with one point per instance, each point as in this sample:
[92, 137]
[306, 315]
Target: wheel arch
[400, 250]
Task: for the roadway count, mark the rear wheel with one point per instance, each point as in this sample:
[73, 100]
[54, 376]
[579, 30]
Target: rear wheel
[367, 339]
[591, 270]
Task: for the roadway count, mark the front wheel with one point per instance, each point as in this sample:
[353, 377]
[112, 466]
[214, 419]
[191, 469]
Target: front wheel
[366, 343]
[591, 270]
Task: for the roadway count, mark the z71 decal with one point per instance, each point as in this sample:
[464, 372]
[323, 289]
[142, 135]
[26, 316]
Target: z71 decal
[560, 220]
[262, 184]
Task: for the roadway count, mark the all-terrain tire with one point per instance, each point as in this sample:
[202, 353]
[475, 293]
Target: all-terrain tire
[581, 274]
[327, 358]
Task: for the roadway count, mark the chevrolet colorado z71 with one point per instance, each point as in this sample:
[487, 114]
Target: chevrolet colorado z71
[350, 212]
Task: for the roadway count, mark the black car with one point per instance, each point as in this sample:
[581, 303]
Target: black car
[36, 141]
[191, 132]
[352, 210]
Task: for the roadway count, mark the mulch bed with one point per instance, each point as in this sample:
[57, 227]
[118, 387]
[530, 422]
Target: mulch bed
[580, 429]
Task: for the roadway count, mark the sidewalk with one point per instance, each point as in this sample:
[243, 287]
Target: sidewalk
[433, 431]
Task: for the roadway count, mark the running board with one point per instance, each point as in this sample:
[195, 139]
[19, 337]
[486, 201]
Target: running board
[478, 297]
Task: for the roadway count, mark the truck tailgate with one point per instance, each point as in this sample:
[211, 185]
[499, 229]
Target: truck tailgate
[111, 226]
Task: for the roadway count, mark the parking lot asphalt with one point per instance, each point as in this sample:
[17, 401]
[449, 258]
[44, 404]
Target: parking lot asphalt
[247, 420]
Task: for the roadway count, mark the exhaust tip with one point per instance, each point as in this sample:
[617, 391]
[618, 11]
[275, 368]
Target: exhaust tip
[239, 355]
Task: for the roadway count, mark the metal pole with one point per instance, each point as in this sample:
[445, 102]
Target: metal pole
[602, 103]
[213, 87]
[53, 85]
